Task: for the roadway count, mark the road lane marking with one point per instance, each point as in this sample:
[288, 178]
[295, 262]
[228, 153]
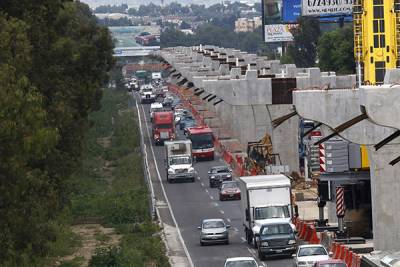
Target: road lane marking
[163, 190]
[211, 197]
[235, 229]
[198, 178]
[215, 204]
[229, 220]
[202, 184]
[221, 211]
[243, 239]
[206, 190]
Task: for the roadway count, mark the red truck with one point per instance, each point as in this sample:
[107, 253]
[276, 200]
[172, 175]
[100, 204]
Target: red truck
[163, 126]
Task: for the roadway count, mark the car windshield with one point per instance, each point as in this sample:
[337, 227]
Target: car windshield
[202, 140]
[187, 119]
[229, 185]
[271, 212]
[276, 229]
[156, 109]
[180, 160]
[164, 126]
[332, 265]
[213, 224]
[312, 251]
[242, 263]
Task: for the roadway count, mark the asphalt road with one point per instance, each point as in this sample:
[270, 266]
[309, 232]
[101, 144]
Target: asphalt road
[192, 202]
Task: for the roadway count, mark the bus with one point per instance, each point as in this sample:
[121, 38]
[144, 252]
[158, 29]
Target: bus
[202, 142]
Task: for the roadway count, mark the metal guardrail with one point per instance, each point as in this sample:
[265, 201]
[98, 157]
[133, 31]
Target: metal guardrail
[145, 164]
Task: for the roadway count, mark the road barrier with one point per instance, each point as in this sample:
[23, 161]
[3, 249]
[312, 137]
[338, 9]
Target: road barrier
[307, 232]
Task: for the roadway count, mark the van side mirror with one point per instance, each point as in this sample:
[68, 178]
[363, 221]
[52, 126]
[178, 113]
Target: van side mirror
[199, 227]
[330, 253]
[247, 215]
[228, 226]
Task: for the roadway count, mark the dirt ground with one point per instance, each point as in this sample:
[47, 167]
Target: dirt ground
[92, 236]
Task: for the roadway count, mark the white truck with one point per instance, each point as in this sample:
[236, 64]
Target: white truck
[179, 164]
[155, 107]
[265, 199]
[147, 94]
[156, 76]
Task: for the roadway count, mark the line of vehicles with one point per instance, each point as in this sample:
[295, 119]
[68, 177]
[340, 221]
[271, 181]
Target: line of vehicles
[266, 200]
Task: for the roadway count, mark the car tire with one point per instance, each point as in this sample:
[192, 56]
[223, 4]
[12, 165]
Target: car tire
[221, 198]
[227, 242]
[192, 179]
[212, 158]
[261, 256]
[249, 237]
[201, 243]
[255, 242]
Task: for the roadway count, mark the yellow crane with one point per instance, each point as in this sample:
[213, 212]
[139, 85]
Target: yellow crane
[376, 25]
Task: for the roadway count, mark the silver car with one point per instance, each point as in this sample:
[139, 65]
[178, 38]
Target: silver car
[213, 231]
[241, 262]
[308, 255]
[218, 174]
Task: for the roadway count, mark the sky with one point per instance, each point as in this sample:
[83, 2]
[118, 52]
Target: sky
[135, 3]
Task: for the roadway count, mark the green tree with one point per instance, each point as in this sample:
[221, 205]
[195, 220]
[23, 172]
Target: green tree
[336, 51]
[303, 51]
[54, 60]
[27, 195]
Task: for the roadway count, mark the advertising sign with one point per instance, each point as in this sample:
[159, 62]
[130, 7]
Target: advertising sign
[271, 11]
[278, 33]
[326, 7]
[291, 10]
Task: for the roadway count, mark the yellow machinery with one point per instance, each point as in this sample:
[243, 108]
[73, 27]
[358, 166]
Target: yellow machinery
[260, 154]
[376, 25]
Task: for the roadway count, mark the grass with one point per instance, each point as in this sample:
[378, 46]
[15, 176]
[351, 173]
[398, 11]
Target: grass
[76, 262]
[110, 186]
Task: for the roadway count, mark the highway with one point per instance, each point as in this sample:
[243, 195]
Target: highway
[185, 204]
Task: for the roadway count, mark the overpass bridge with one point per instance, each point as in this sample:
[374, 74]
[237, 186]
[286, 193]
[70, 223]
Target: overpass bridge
[135, 51]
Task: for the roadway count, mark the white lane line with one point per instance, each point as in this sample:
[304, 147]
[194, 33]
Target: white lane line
[253, 253]
[206, 190]
[211, 197]
[229, 220]
[243, 239]
[215, 204]
[235, 229]
[202, 184]
[221, 211]
[198, 178]
[164, 193]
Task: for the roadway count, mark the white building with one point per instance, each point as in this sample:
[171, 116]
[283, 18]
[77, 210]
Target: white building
[247, 25]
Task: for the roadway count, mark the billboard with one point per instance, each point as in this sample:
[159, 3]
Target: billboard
[326, 7]
[291, 10]
[278, 33]
[272, 10]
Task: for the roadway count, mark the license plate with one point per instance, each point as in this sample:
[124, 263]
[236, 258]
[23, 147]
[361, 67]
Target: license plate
[231, 195]
[279, 251]
[214, 237]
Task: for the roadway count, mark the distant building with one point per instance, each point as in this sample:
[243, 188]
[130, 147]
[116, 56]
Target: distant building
[247, 25]
[187, 31]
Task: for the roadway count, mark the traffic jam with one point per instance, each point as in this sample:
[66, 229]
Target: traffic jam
[266, 207]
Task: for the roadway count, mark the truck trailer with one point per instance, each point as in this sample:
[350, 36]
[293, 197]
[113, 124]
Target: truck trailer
[179, 163]
[265, 199]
